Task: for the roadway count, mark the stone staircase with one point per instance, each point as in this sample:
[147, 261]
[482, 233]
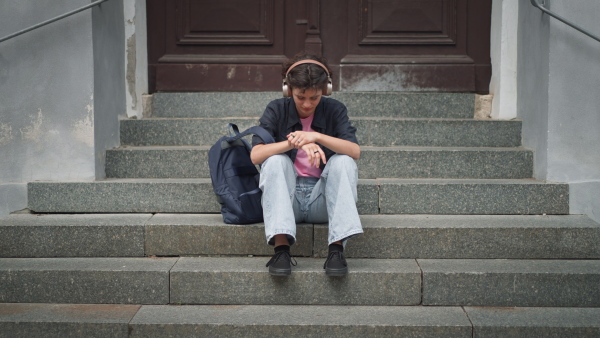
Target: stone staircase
[460, 240]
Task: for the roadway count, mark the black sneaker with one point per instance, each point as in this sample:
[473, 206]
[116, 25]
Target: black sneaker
[336, 265]
[281, 264]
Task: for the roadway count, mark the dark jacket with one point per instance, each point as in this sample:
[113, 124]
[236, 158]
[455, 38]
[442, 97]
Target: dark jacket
[331, 118]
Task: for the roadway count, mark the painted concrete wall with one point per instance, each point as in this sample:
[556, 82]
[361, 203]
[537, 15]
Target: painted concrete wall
[532, 82]
[109, 78]
[136, 56]
[558, 98]
[62, 91]
[46, 98]
[503, 52]
[574, 104]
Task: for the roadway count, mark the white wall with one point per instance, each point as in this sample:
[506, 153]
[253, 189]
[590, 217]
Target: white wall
[533, 77]
[46, 98]
[109, 78]
[136, 56]
[574, 104]
[558, 98]
[62, 92]
[503, 45]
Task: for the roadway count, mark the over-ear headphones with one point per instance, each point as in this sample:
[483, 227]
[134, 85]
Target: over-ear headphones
[287, 90]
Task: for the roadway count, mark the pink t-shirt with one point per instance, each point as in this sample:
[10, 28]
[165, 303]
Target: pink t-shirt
[301, 163]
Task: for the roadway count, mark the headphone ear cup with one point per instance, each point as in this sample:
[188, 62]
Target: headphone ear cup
[286, 89]
[329, 89]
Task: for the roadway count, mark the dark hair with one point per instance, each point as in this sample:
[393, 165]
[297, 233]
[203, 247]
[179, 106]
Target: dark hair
[308, 75]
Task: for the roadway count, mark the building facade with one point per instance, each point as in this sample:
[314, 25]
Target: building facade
[64, 88]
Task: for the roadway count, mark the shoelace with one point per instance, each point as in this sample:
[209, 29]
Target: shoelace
[332, 254]
[278, 255]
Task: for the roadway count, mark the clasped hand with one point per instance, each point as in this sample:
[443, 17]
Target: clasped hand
[306, 141]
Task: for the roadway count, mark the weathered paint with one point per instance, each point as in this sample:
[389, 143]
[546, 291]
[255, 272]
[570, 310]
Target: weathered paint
[6, 135]
[130, 72]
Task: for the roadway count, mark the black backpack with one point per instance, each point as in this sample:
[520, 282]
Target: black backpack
[234, 176]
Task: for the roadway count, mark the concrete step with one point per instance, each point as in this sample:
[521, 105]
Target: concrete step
[534, 322]
[552, 283]
[85, 235]
[300, 321]
[386, 236]
[236, 280]
[375, 162]
[85, 280]
[65, 320]
[381, 196]
[390, 236]
[384, 104]
[390, 282]
[371, 131]
[364, 321]
[471, 236]
[472, 197]
[246, 281]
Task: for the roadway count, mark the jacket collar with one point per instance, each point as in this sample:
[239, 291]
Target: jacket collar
[318, 120]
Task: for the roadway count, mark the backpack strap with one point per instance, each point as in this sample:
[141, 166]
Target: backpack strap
[256, 130]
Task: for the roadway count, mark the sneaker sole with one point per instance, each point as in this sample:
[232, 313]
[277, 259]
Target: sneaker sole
[280, 272]
[336, 272]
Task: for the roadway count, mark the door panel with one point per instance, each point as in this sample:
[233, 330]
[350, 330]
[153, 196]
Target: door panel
[208, 45]
[371, 45]
[246, 22]
[406, 45]
[388, 22]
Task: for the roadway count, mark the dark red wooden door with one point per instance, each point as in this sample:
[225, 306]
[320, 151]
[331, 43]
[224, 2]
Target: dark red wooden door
[372, 45]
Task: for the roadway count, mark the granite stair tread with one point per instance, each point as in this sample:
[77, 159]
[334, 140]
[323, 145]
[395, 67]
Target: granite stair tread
[75, 235]
[375, 162]
[246, 281]
[372, 131]
[386, 236]
[520, 282]
[66, 320]
[363, 148]
[375, 196]
[113, 280]
[444, 282]
[430, 105]
[93, 320]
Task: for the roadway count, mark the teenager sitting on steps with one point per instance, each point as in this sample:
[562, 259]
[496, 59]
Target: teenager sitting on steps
[309, 174]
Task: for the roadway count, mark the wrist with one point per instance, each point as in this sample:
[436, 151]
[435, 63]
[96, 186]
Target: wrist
[289, 146]
[318, 137]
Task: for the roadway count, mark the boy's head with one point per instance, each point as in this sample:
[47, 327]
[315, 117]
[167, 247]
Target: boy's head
[304, 72]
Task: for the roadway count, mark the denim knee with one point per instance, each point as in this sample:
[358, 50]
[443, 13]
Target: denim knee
[338, 164]
[276, 162]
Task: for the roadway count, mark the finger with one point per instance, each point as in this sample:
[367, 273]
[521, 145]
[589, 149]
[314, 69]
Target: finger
[314, 158]
[311, 157]
[323, 157]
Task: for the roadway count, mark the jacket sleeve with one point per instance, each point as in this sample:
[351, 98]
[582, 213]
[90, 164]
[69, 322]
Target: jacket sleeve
[343, 129]
[268, 122]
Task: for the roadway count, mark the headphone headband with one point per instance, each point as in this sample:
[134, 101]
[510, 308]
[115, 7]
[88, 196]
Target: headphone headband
[301, 62]
[287, 91]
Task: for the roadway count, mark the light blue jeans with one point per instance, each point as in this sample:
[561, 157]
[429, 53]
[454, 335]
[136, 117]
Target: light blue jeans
[288, 199]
